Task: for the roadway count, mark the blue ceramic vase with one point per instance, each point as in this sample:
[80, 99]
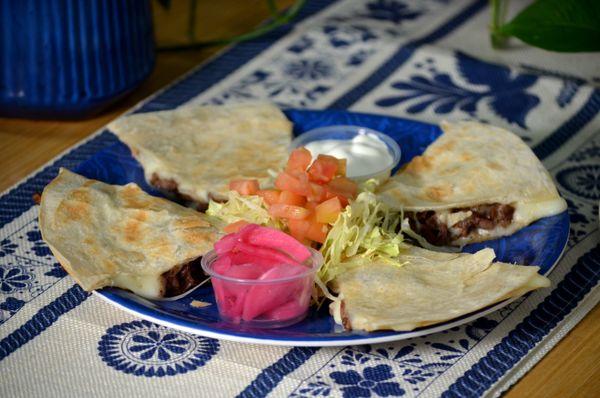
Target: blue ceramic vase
[71, 58]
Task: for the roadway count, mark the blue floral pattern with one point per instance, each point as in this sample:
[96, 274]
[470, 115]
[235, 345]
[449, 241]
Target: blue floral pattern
[382, 370]
[374, 379]
[141, 348]
[504, 91]
[318, 61]
[390, 10]
[303, 74]
[27, 268]
[347, 35]
[13, 279]
[39, 247]
[579, 181]
[309, 69]
[7, 247]
[583, 181]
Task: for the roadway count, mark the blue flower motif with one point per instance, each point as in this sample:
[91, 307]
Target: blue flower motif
[56, 271]
[314, 388]
[7, 247]
[372, 380]
[390, 10]
[39, 247]
[9, 308]
[505, 91]
[309, 69]
[153, 344]
[12, 305]
[359, 57]
[13, 279]
[142, 348]
[583, 181]
[346, 35]
[302, 44]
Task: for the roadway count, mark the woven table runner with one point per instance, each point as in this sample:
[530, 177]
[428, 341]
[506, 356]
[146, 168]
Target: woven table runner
[427, 60]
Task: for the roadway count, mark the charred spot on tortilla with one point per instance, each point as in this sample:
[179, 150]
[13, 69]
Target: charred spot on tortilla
[109, 235]
[191, 153]
[475, 182]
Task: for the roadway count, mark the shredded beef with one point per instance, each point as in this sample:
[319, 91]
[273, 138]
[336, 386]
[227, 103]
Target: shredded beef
[170, 187]
[427, 224]
[180, 280]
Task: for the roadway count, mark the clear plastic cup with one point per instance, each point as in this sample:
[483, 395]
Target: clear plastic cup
[265, 303]
[348, 132]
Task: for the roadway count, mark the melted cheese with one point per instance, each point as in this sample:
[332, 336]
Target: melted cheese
[150, 286]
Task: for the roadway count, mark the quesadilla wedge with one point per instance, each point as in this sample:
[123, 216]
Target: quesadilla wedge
[475, 182]
[194, 151]
[431, 287]
[109, 235]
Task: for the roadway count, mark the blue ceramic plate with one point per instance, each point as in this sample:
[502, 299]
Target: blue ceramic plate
[541, 243]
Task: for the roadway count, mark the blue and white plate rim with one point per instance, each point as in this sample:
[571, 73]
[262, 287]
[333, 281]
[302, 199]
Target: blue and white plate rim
[331, 340]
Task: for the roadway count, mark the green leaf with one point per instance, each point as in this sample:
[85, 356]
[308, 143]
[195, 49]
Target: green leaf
[558, 25]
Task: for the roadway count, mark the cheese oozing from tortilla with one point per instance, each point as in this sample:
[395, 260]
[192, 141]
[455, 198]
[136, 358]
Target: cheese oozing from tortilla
[196, 150]
[109, 235]
[473, 164]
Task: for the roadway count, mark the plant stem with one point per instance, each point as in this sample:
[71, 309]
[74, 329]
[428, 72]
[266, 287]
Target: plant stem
[278, 18]
[499, 8]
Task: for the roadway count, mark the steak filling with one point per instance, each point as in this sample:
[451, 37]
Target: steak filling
[180, 280]
[429, 225]
[171, 188]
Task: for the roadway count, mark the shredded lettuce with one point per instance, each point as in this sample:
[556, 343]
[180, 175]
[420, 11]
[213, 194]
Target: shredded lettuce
[249, 208]
[365, 231]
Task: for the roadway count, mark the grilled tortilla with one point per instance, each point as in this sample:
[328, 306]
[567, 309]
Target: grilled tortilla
[195, 151]
[108, 235]
[475, 182]
[431, 287]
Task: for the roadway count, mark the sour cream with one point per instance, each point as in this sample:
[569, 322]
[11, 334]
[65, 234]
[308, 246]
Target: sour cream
[366, 155]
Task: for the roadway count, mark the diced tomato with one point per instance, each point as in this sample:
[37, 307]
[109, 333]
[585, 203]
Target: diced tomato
[288, 211]
[235, 227]
[317, 231]
[299, 160]
[290, 198]
[342, 186]
[343, 200]
[323, 169]
[298, 229]
[317, 193]
[270, 196]
[328, 211]
[244, 187]
[287, 182]
[311, 206]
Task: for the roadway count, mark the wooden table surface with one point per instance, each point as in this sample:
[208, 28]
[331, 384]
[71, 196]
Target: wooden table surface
[571, 369]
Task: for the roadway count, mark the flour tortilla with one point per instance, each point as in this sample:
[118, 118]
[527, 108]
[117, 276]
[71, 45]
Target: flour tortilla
[202, 148]
[108, 235]
[431, 287]
[473, 164]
